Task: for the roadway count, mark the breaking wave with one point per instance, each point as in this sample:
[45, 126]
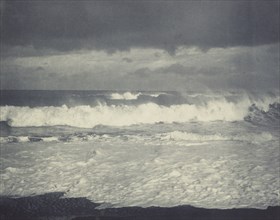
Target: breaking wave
[86, 116]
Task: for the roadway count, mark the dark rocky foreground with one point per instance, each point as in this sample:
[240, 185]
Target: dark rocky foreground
[52, 206]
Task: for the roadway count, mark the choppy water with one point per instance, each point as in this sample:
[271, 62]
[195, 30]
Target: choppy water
[142, 148]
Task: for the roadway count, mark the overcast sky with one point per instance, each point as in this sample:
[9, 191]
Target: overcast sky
[140, 45]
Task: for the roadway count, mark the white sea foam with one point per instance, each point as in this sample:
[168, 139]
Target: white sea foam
[181, 138]
[23, 139]
[223, 175]
[189, 136]
[49, 139]
[11, 139]
[179, 135]
[4, 140]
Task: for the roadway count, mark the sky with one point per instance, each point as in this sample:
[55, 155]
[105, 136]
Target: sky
[140, 45]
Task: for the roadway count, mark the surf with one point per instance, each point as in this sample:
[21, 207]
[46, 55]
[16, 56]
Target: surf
[86, 116]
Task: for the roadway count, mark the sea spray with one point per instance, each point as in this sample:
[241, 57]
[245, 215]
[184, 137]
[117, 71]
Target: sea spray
[86, 116]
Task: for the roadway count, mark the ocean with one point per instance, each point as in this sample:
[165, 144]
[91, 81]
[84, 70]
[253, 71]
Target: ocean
[140, 148]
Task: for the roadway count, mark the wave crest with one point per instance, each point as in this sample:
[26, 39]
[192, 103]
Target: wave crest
[121, 115]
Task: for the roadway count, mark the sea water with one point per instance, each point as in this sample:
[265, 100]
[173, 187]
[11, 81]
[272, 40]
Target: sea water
[214, 150]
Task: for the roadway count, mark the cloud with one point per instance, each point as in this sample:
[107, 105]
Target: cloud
[39, 68]
[128, 60]
[177, 69]
[110, 25]
[249, 68]
[143, 72]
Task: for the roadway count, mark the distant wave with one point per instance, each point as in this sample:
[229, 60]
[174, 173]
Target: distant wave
[125, 96]
[133, 96]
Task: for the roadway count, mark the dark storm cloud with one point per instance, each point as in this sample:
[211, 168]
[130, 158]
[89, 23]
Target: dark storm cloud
[128, 60]
[120, 25]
